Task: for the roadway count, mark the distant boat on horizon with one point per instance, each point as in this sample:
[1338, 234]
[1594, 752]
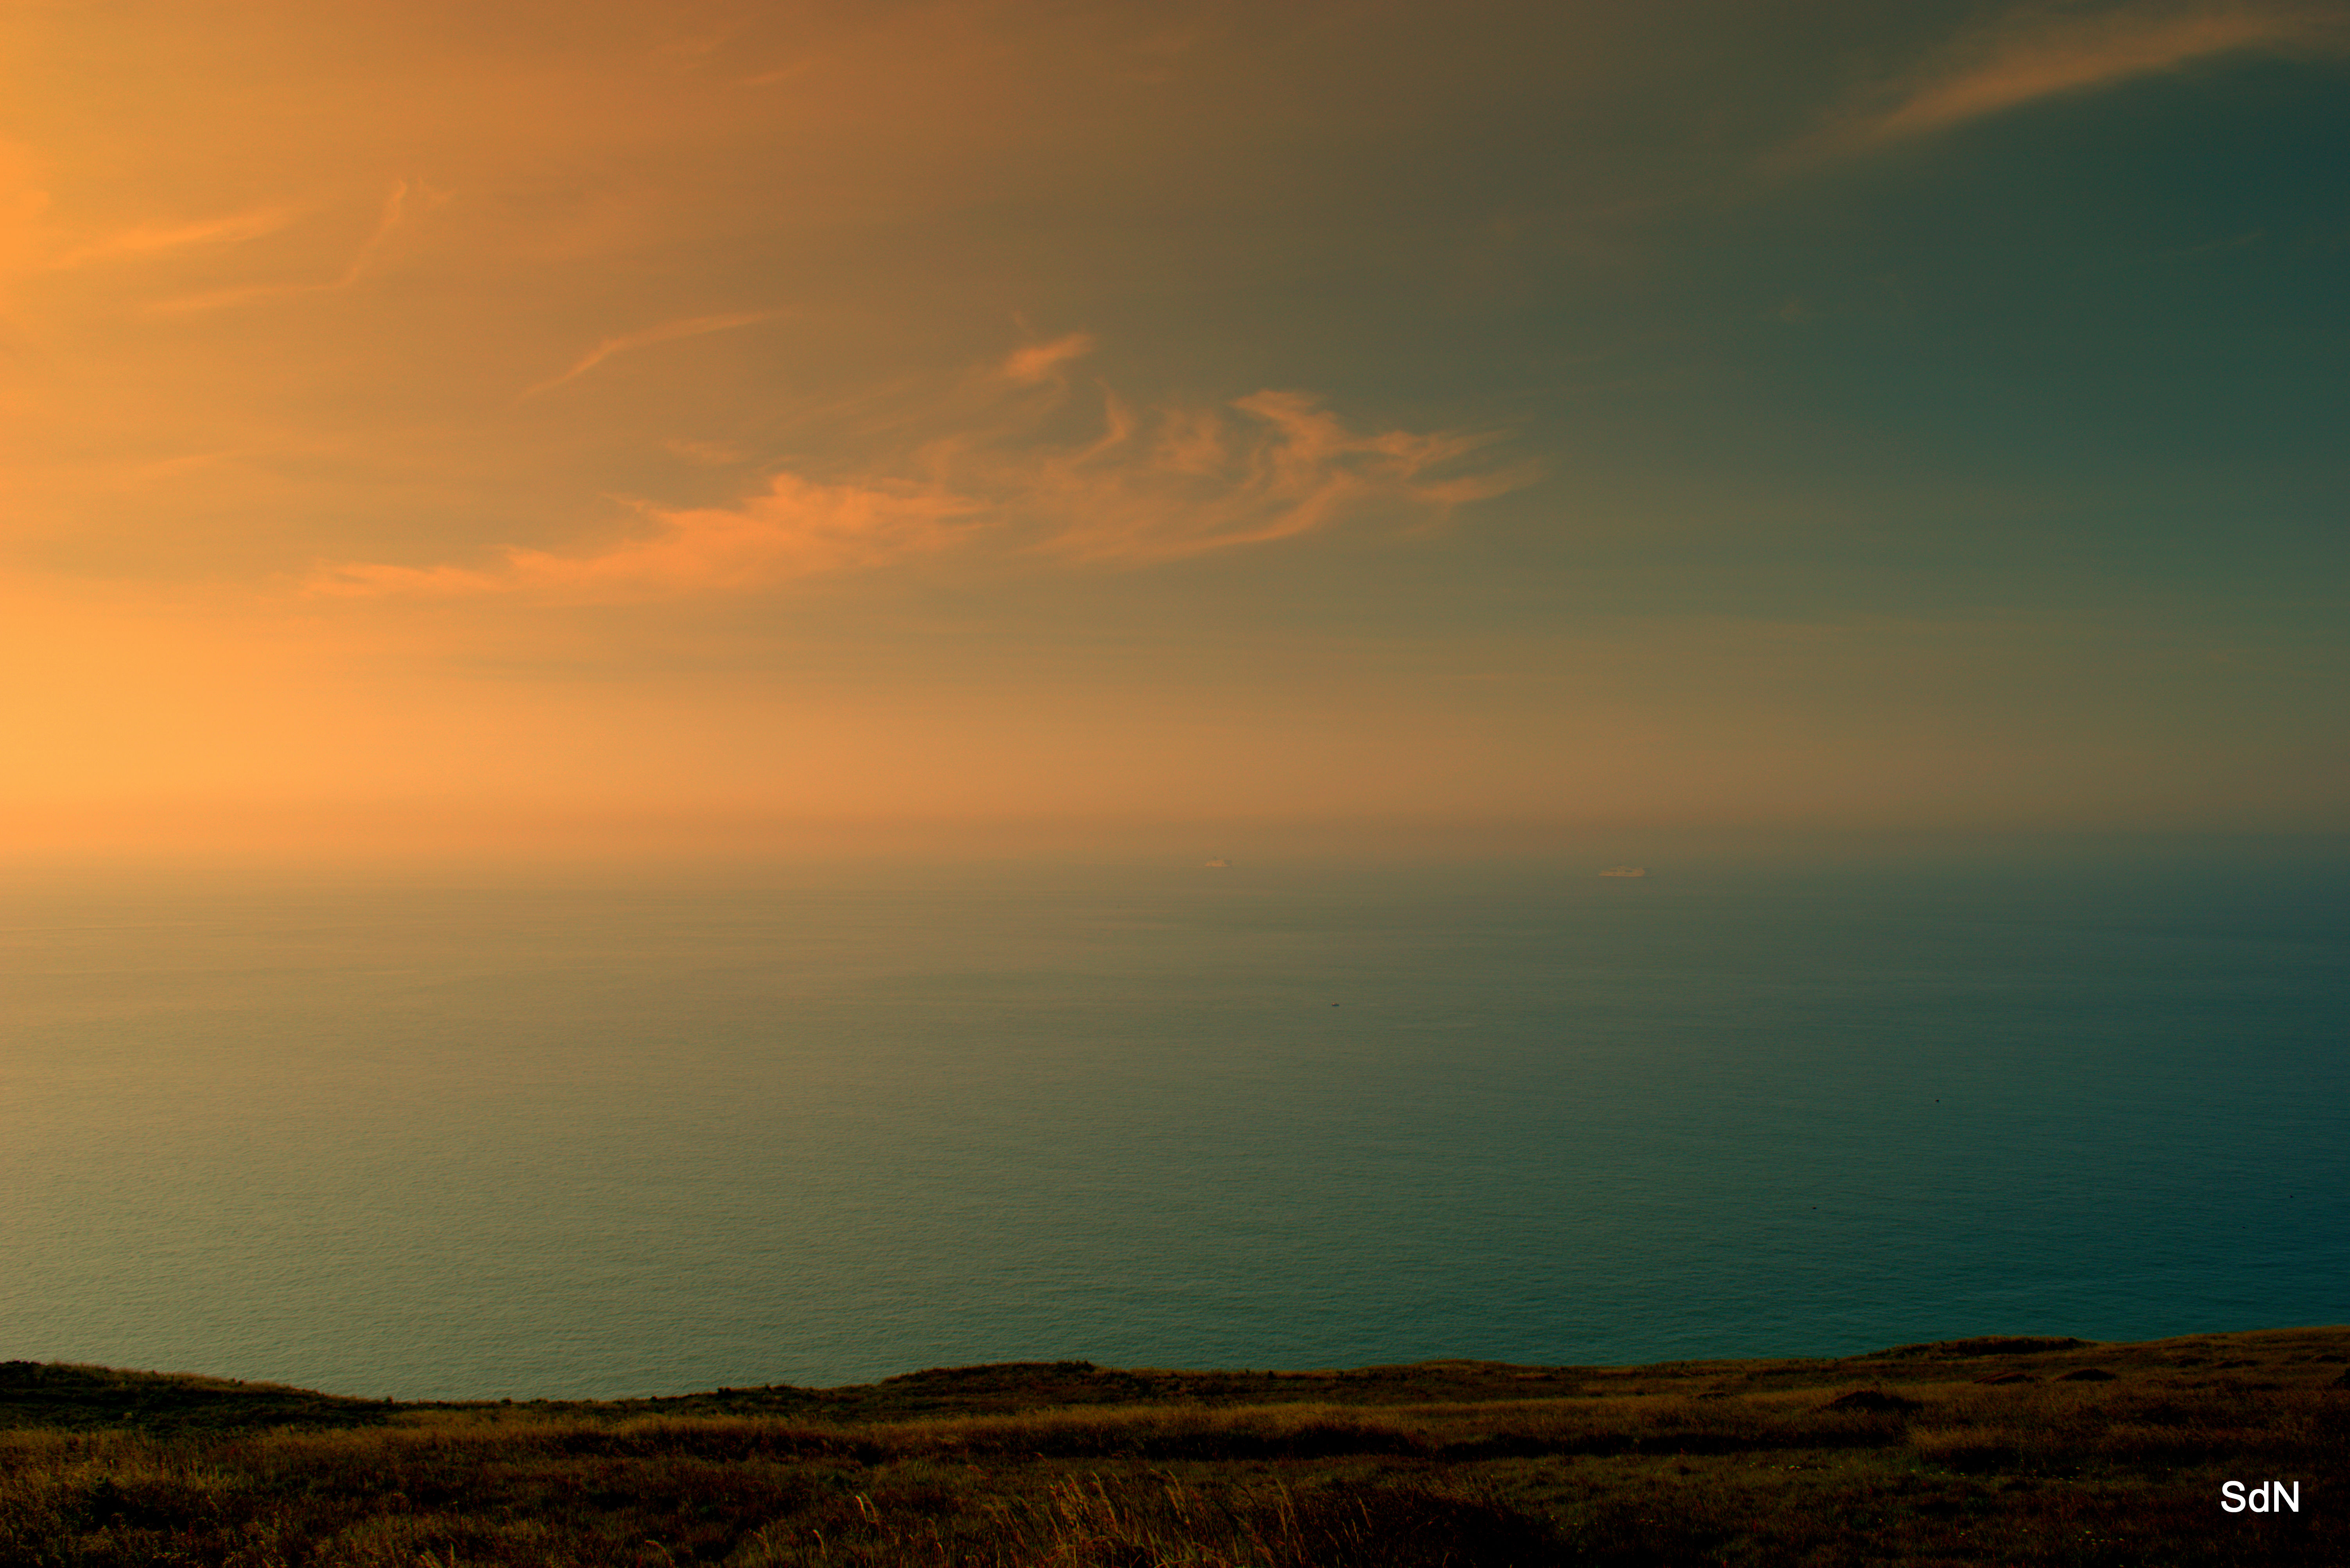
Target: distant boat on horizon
[1220, 861]
[1626, 871]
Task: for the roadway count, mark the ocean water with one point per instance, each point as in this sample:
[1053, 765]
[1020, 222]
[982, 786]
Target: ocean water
[660, 1132]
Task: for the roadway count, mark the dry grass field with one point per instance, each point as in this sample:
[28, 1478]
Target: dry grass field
[1983, 1451]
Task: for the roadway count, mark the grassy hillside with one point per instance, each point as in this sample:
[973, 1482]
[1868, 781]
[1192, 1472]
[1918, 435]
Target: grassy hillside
[1979, 1451]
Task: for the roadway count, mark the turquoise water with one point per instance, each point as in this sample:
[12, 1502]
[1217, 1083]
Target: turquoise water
[656, 1134]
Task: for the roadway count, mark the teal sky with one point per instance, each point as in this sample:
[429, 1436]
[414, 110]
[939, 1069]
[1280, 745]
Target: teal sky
[664, 420]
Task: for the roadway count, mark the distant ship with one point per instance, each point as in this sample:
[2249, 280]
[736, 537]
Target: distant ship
[1626, 871]
[1220, 863]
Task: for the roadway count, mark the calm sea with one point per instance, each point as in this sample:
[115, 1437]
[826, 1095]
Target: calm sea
[654, 1134]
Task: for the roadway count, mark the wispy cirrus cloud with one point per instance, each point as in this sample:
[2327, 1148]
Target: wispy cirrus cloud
[1040, 362]
[2039, 51]
[394, 212]
[1149, 487]
[1189, 482]
[667, 332]
[235, 228]
[704, 453]
[799, 528]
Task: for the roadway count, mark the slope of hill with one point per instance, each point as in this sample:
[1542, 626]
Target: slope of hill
[1993, 1450]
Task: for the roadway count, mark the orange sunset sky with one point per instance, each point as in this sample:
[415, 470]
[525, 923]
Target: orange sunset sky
[604, 424]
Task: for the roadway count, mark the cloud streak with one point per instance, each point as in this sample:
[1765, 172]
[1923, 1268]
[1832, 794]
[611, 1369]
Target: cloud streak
[149, 239]
[1190, 482]
[392, 214]
[1147, 488]
[667, 332]
[1041, 362]
[799, 528]
[2034, 53]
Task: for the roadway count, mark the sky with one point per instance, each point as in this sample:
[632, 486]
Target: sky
[590, 425]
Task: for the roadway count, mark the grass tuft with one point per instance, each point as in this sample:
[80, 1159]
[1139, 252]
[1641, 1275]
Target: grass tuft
[2102, 1454]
